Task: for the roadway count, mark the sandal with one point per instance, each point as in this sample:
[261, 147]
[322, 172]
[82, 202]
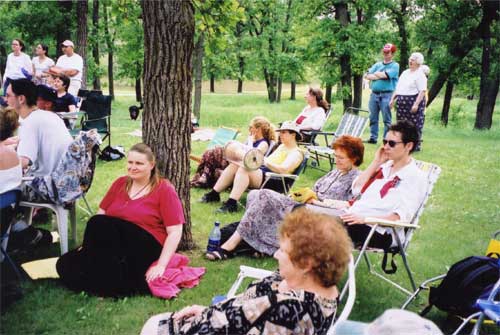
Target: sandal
[218, 255]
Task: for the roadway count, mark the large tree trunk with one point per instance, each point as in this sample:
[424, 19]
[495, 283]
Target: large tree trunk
[488, 87]
[63, 32]
[198, 73]
[96, 83]
[168, 50]
[447, 102]
[292, 90]
[82, 7]
[400, 17]
[342, 15]
[109, 44]
[358, 90]
[138, 90]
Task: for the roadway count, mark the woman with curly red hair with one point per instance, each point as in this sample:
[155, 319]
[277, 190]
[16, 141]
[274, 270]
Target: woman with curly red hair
[313, 254]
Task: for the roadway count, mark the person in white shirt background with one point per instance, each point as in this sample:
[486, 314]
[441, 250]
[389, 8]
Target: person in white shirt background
[71, 65]
[18, 64]
[313, 116]
[409, 94]
[41, 64]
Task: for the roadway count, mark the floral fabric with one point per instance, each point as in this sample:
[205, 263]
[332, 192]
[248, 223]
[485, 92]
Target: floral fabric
[72, 175]
[266, 209]
[261, 309]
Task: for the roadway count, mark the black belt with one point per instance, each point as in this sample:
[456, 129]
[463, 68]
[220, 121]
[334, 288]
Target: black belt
[379, 92]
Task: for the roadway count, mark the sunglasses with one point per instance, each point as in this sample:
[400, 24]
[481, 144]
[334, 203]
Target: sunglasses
[391, 143]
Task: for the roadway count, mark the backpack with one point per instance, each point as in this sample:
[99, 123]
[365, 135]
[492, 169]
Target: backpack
[112, 153]
[467, 280]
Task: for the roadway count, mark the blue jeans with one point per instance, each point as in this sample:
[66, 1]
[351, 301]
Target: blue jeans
[379, 102]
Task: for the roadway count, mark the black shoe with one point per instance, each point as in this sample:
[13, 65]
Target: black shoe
[371, 141]
[228, 207]
[211, 196]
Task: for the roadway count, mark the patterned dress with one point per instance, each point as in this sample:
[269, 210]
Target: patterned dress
[265, 209]
[403, 112]
[261, 309]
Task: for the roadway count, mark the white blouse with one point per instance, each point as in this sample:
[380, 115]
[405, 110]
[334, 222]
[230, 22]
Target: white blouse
[411, 82]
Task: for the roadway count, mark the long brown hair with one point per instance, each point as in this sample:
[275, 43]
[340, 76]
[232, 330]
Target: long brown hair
[318, 94]
[268, 131]
[155, 177]
[9, 121]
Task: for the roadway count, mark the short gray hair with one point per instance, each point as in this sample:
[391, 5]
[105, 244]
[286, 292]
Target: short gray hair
[418, 57]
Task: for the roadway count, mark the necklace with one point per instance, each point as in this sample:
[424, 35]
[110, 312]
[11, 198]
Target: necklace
[132, 197]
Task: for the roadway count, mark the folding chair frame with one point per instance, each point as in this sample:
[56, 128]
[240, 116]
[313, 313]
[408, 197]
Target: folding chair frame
[349, 125]
[284, 177]
[314, 133]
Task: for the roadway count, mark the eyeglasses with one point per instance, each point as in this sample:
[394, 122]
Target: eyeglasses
[7, 95]
[391, 143]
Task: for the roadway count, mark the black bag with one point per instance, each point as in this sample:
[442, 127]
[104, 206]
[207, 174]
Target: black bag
[111, 154]
[467, 280]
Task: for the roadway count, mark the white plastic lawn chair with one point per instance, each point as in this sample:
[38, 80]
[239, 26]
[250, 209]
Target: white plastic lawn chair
[250, 272]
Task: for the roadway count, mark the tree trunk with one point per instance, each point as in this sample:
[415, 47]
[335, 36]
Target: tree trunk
[447, 102]
[63, 32]
[96, 83]
[109, 44]
[328, 92]
[212, 83]
[198, 73]
[168, 51]
[241, 66]
[400, 18]
[488, 87]
[138, 90]
[278, 97]
[358, 90]
[342, 15]
[292, 90]
[82, 7]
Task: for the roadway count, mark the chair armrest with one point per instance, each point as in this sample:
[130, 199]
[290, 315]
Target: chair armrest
[256, 273]
[389, 223]
[99, 118]
[27, 178]
[272, 175]
[70, 115]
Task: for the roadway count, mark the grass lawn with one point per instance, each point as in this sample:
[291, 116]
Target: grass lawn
[462, 213]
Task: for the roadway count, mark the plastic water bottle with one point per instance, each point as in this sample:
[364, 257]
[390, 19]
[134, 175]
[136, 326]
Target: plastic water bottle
[214, 238]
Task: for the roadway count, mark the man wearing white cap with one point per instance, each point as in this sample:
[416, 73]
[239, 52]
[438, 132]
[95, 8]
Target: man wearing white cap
[70, 64]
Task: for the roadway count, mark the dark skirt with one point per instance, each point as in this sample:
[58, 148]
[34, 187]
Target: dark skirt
[113, 259]
[403, 112]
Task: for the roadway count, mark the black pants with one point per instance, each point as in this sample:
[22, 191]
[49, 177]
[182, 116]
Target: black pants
[359, 233]
[113, 260]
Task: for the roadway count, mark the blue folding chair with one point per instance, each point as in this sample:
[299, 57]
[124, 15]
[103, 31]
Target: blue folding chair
[8, 201]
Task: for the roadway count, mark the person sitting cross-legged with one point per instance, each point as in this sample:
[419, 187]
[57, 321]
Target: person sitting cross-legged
[301, 299]
[285, 159]
[256, 233]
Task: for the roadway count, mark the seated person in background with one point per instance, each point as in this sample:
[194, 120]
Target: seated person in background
[300, 299]
[10, 165]
[257, 230]
[139, 221]
[285, 159]
[43, 138]
[46, 97]
[313, 116]
[65, 101]
[261, 133]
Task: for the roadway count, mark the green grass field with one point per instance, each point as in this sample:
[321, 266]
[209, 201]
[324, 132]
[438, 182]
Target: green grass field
[462, 213]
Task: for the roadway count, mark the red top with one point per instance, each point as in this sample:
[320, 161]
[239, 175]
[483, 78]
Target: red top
[153, 212]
